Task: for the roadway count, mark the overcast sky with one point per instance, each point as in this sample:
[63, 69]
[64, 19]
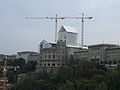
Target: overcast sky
[20, 34]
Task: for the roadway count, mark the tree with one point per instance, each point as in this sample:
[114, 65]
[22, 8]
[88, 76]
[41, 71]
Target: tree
[67, 86]
[28, 67]
[11, 77]
[101, 86]
[28, 83]
[18, 62]
[113, 79]
[98, 78]
[84, 84]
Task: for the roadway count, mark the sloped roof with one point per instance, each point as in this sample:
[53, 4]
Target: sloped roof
[68, 29]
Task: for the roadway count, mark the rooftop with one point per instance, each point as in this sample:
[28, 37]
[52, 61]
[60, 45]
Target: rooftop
[27, 52]
[68, 29]
[99, 45]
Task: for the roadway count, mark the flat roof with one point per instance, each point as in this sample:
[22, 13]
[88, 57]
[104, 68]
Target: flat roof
[98, 45]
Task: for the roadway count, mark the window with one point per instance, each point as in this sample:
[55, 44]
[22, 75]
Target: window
[44, 64]
[45, 56]
[48, 64]
[58, 56]
[49, 56]
[53, 64]
[53, 56]
[63, 57]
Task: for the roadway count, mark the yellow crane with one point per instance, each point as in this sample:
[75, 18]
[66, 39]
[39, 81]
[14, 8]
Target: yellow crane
[56, 21]
[4, 87]
[5, 67]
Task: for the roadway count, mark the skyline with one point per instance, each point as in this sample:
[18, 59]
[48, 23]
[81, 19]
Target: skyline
[20, 34]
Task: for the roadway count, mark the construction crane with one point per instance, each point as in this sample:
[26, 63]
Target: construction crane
[5, 67]
[56, 21]
[82, 28]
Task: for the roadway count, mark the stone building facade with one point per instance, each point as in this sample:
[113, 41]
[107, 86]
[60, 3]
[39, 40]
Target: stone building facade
[55, 56]
[82, 54]
[113, 54]
[100, 53]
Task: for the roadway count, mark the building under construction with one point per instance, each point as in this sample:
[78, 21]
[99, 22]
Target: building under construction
[57, 54]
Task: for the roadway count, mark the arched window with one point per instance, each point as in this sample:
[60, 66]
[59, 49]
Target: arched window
[45, 64]
[48, 64]
[53, 64]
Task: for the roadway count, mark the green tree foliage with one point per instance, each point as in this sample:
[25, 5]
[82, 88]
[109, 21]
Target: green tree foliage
[84, 84]
[102, 86]
[11, 77]
[17, 62]
[67, 86]
[113, 79]
[30, 66]
[98, 78]
[78, 75]
[28, 83]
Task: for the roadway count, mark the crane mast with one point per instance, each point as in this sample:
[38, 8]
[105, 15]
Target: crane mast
[82, 28]
[56, 28]
[56, 22]
[5, 68]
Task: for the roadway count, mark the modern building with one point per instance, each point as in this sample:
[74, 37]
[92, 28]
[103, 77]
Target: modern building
[69, 35]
